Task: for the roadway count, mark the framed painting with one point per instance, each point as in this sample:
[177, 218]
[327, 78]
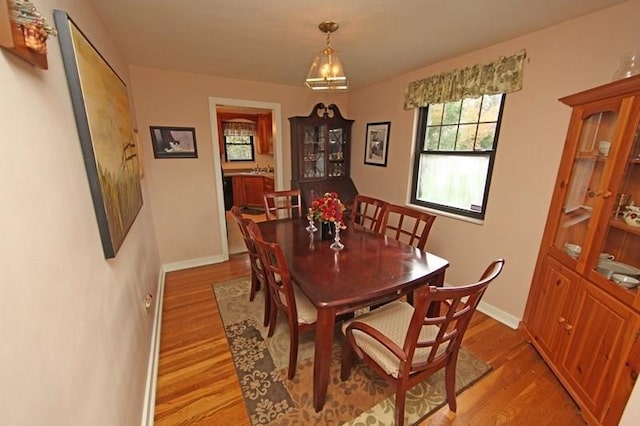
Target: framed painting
[174, 142]
[101, 107]
[376, 145]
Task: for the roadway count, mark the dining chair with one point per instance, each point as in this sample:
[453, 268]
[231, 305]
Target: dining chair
[404, 346]
[258, 279]
[407, 225]
[284, 295]
[288, 202]
[367, 212]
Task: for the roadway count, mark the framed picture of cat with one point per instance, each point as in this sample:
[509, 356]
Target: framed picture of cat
[174, 142]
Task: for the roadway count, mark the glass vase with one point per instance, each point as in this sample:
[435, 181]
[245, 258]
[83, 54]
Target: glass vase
[326, 231]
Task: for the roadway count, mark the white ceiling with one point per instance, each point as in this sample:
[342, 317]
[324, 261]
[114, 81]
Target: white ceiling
[275, 41]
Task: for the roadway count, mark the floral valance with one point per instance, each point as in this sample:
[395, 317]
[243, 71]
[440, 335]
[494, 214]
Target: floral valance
[501, 76]
[238, 128]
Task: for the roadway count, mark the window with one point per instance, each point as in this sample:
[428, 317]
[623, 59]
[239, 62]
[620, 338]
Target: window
[239, 148]
[455, 152]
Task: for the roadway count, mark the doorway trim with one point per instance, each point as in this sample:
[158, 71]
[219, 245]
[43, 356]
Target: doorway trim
[276, 109]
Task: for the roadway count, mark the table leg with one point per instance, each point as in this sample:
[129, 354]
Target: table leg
[434, 308]
[322, 356]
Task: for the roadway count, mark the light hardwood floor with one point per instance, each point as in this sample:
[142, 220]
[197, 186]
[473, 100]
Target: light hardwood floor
[197, 384]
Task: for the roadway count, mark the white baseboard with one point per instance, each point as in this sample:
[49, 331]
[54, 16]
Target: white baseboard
[154, 354]
[499, 315]
[194, 263]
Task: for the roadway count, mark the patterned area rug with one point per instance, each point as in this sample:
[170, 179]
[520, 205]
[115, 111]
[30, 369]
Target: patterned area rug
[364, 399]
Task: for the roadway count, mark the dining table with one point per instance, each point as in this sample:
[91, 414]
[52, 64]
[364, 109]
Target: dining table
[370, 270]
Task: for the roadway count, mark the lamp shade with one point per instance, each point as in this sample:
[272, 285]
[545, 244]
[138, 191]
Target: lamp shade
[326, 72]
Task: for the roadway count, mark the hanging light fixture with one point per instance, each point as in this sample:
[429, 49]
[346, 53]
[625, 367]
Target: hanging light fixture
[326, 71]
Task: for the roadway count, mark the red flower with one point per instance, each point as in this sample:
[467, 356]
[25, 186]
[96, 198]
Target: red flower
[328, 208]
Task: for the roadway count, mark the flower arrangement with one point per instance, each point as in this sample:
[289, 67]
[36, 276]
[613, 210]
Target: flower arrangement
[328, 208]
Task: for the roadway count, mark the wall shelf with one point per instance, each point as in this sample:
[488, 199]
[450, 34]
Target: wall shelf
[12, 39]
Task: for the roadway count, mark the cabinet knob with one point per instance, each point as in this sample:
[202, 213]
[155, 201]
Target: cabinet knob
[607, 194]
[561, 320]
[568, 327]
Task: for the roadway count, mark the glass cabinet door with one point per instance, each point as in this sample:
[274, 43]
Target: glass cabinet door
[314, 148]
[336, 158]
[620, 250]
[585, 187]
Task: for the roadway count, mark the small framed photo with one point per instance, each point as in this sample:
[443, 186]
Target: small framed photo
[376, 146]
[174, 142]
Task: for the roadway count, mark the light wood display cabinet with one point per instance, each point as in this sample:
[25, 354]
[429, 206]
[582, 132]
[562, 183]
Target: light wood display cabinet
[581, 315]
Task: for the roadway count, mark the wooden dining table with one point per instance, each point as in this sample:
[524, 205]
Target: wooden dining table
[369, 270]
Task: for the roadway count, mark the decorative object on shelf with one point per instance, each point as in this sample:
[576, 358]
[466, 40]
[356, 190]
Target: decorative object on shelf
[629, 66]
[376, 146]
[625, 280]
[603, 148]
[573, 250]
[622, 200]
[632, 215]
[326, 71]
[100, 102]
[328, 210]
[174, 142]
[336, 245]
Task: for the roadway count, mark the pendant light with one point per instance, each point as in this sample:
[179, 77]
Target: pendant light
[326, 71]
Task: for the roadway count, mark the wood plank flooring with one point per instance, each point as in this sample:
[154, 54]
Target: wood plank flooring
[197, 384]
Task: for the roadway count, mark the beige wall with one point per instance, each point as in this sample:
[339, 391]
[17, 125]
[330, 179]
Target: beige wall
[75, 339]
[562, 59]
[182, 192]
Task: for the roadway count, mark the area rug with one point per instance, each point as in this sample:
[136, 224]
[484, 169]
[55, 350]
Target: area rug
[365, 399]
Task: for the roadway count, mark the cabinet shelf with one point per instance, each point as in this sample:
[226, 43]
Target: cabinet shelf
[619, 224]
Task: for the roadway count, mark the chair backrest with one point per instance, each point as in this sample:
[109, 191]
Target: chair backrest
[288, 202]
[367, 212]
[276, 272]
[407, 225]
[457, 305]
[243, 223]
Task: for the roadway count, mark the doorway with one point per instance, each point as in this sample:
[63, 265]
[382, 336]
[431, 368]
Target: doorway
[227, 228]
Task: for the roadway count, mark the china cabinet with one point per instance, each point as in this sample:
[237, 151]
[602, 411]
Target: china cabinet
[320, 153]
[582, 314]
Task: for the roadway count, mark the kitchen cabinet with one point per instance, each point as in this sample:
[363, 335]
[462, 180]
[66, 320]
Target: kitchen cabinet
[321, 154]
[248, 189]
[578, 316]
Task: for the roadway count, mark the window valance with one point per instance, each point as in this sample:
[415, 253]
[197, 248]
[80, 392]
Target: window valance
[238, 128]
[501, 76]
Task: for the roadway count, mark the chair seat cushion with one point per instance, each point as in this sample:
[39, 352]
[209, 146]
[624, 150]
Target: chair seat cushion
[393, 321]
[307, 313]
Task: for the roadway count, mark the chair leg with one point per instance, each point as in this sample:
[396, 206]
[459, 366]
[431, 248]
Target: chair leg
[293, 352]
[267, 305]
[450, 384]
[347, 360]
[273, 316]
[401, 397]
[255, 285]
